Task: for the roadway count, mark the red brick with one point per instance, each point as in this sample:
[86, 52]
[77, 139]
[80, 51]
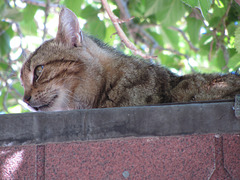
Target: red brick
[182, 157]
[231, 150]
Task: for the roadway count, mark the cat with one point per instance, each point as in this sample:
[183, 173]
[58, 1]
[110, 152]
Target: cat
[78, 71]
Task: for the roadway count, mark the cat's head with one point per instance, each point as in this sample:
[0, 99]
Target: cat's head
[65, 72]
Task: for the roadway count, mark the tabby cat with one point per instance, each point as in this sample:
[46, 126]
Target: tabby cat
[77, 71]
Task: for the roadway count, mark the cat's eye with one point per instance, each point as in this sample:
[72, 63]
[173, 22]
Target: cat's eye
[37, 72]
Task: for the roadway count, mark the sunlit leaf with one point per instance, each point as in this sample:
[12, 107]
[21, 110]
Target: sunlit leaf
[171, 12]
[28, 25]
[168, 12]
[1, 3]
[231, 29]
[192, 3]
[10, 13]
[3, 66]
[110, 37]
[218, 63]
[193, 29]
[169, 61]
[89, 12]
[152, 7]
[203, 5]
[15, 109]
[237, 39]
[170, 37]
[5, 36]
[2, 96]
[18, 87]
[97, 28]
[157, 37]
[5, 44]
[234, 62]
[75, 6]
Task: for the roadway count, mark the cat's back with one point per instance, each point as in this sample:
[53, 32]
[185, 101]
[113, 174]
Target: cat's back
[133, 81]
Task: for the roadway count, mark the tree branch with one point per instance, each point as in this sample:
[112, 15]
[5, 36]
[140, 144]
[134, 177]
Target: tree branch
[115, 20]
[148, 39]
[220, 40]
[21, 37]
[45, 21]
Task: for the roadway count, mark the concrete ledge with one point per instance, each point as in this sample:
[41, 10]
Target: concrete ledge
[164, 120]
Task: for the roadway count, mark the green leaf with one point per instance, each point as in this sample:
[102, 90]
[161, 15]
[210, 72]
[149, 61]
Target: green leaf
[137, 8]
[1, 2]
[214, 21]
[170, 37]
[157, 37]
[7, 34]
[169, 61]
[109, 38]
[234, 62]
[18, 87]
[10, 13]
[4, 26]
[3, 66]
[75, 6]
[192, 3]
[171, 12]
[231, 29]
[205, 45]
[218, 62]
[96, 28]
[237, 39]
[232, 52]
[167, 12]
[219, 11]
[89, 12]
[29, 12]
[2, 95]
[152, 7]
[5, 44]
[203, 5]
[28, 25]
[29, 28]
[193, 29]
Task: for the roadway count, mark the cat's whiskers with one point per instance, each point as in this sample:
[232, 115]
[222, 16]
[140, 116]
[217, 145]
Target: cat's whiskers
[69, 95]
[66, 103]
[80, 101]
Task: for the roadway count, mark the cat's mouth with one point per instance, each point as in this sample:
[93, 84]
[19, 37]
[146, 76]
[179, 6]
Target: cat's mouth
[46, 106]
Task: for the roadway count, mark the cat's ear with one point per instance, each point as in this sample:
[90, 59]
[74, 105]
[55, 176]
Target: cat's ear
[69, 32]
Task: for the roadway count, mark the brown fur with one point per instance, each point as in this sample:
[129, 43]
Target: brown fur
[81, 72]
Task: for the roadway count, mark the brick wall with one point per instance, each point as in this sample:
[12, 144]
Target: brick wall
[191, 141]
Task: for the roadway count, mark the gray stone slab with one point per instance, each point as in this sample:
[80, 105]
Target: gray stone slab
[163, 120]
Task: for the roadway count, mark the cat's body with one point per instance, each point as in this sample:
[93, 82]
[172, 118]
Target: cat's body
[76, 71]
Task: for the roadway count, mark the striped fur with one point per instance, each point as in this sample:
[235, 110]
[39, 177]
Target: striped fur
[81, 72]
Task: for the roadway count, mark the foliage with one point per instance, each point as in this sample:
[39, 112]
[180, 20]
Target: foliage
[186, 36]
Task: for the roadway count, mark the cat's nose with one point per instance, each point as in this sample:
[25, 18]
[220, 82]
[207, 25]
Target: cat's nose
[26, 98]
